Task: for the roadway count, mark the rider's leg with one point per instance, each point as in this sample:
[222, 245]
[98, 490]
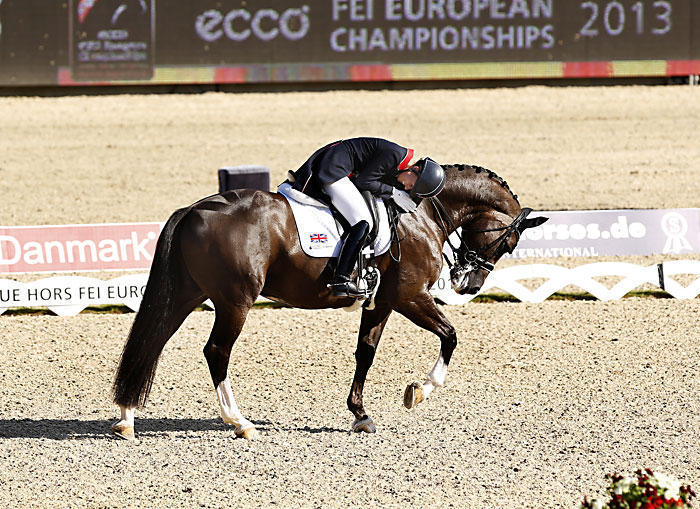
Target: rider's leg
[342, 284]
[349, 202]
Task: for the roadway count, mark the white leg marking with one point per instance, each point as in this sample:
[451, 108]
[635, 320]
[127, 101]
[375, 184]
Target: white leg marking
[124, 428]
[127, 415]
[436, 377]
[229, 410]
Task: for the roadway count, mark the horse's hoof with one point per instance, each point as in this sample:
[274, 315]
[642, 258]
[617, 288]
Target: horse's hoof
[124, 431]
[248, 434]
[413, 395]
[365, 425]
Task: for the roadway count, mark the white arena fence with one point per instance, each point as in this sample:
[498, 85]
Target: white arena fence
[509, 280]
[69, 295]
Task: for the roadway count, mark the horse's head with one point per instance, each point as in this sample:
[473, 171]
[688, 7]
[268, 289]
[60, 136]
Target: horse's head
[491, 218]
[483, 243]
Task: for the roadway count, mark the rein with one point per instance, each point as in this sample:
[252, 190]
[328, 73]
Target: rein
[472, 258]
[394, 214]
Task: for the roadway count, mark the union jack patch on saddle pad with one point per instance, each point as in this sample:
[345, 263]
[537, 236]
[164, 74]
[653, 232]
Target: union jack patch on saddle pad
[318, 238]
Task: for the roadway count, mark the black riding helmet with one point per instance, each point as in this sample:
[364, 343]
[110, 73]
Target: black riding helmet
[431, 179]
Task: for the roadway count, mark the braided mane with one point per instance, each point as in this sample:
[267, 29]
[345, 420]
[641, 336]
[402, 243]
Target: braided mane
[489, 174]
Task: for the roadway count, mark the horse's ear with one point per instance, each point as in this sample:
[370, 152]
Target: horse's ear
[531, 222]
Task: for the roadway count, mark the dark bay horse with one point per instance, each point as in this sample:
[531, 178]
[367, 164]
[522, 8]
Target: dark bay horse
[235, 246]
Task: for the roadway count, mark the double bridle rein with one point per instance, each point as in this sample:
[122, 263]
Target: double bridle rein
[466, 259]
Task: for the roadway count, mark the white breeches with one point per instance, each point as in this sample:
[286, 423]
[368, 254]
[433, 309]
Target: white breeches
[349, 202]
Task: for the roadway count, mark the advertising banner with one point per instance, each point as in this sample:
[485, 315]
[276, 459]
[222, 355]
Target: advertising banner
[77, 248]
[579, 233]
[69, 295]
[233, 41]
[415, 31]
[611, 233]
[131, 246]
[111, 42]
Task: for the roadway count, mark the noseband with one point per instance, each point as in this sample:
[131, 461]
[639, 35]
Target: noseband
[467, 259]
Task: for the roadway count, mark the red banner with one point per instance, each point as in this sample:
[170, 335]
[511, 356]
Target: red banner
[77, 248]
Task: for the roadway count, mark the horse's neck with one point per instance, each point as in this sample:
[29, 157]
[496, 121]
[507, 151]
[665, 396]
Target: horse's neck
[457, 213]
[464, 203]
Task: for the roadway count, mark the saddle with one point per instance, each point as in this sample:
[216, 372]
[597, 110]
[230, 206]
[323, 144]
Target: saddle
[367, 271]
[301, 183]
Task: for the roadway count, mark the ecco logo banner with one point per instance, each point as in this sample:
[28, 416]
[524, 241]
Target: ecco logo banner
[264, 24]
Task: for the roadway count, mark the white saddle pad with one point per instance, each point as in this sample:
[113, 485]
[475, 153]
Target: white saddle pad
[318, 231]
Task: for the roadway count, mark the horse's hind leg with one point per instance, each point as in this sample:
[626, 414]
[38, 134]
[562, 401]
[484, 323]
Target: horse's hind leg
[371, 328]
[188, 299]
[227, 326]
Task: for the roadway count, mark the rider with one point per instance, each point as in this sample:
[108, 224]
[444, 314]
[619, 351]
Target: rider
[379, 166]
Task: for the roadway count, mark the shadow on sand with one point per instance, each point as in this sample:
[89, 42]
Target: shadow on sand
[74, 429]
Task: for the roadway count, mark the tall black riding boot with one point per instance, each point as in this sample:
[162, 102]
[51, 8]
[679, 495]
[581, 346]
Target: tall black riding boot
[342, 285]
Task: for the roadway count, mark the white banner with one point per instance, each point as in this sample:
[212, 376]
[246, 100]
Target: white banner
[69, 295]
[591, 233]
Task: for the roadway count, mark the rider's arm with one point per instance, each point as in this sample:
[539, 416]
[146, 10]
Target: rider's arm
[369, 180]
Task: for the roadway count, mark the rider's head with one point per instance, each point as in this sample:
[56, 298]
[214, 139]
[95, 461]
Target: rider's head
[424, 179]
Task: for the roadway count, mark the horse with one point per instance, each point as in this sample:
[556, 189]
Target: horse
[235, 246]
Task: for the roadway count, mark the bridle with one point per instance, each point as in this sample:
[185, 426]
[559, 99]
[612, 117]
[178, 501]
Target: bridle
[466, 259]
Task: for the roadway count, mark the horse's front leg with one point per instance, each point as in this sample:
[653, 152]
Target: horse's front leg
[424, 312]
[371, 327]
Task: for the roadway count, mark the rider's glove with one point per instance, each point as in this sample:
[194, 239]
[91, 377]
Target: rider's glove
[403, 200]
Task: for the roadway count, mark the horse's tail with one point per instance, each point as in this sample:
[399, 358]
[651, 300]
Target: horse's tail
[153, 325]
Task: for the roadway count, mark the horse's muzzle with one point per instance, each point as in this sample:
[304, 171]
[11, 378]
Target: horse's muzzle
[467, 280]
[459, 276]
